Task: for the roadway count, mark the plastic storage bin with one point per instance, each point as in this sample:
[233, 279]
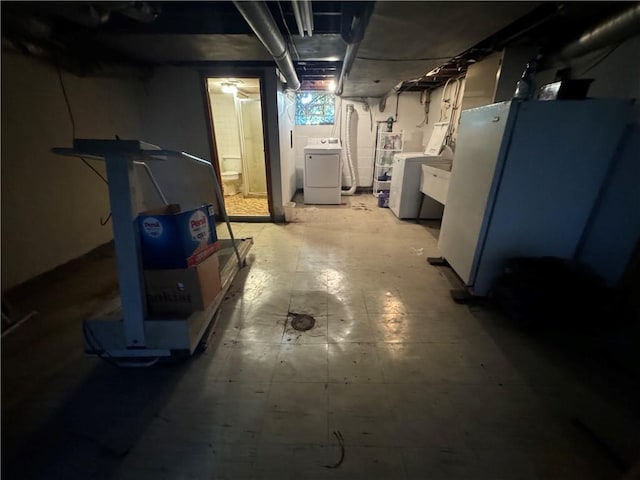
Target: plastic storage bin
[383, 199]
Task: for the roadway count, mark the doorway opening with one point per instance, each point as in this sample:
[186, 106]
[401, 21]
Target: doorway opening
[238, 132]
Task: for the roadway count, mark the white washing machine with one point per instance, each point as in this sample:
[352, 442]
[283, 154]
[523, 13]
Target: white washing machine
[322, 171]
[404, 194]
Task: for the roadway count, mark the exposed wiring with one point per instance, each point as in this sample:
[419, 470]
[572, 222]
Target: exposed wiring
[369, 109]
[90, 338]
[445, 103]
[425, 99]
[73, 135]
[66, 101]
[106, 220]
[450, 102]
[92, 342]
[453, 124]
[289, 32]
[95, 170]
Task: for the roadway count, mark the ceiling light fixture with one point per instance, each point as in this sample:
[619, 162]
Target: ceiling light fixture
[229, 88]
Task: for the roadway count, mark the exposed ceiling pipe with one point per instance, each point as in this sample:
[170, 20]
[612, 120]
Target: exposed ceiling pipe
[308, 16]
[84, 14]
[297, 14]
[264, 26]
[353, 38]
[394, 90]
[303, 13]
[615, 29]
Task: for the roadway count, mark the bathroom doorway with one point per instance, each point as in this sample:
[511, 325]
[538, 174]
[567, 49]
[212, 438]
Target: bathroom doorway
[236, 111]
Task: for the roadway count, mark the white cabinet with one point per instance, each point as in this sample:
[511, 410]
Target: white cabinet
[389, 143]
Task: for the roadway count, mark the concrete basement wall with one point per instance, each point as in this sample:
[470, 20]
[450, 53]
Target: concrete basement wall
[51, 205]
[174, 117]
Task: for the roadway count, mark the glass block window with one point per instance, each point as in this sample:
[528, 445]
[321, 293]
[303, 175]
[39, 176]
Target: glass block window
[315, 108]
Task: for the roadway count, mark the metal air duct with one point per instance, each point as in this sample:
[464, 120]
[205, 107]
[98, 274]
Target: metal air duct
[353, 36]
[264, 26]
[615, 29]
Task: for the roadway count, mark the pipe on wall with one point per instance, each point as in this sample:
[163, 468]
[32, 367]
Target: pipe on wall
[264, 26]
[349, 152]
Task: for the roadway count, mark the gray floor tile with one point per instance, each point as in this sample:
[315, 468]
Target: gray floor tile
[430, 363]
[420, 387]
[384, 300]
[369, 463]
[299, 398]
[351, 362]
[350, 327]
[294, 462]
[290, 427]
[309, 302]
[249, 362]
[359, 399]
[301, 363]
[442, 464]
[270, 330]
[427, 327]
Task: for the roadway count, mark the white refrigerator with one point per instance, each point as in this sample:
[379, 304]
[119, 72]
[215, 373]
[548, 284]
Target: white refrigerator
[525, 180]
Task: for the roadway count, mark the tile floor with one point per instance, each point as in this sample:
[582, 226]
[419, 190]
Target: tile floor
[240, 206]
[417, 386]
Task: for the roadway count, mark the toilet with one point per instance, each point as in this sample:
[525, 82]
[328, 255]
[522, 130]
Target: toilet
[231, 176]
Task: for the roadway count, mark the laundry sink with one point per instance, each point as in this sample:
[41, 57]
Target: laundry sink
[434, 180]
[441, 164]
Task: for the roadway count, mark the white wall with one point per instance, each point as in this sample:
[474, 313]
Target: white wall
[174, 116]
[410, 115]
[225, 125]
[51, 205]
[286, 121]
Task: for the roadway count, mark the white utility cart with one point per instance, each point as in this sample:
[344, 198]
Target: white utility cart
[123, 332]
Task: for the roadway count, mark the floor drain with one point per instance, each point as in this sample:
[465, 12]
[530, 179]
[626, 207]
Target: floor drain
[301, 321]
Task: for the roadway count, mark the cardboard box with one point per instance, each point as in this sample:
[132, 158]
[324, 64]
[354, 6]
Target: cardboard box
[175, 238]
[183, 290]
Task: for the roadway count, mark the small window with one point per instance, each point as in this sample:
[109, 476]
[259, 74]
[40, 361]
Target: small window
[315, 108]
